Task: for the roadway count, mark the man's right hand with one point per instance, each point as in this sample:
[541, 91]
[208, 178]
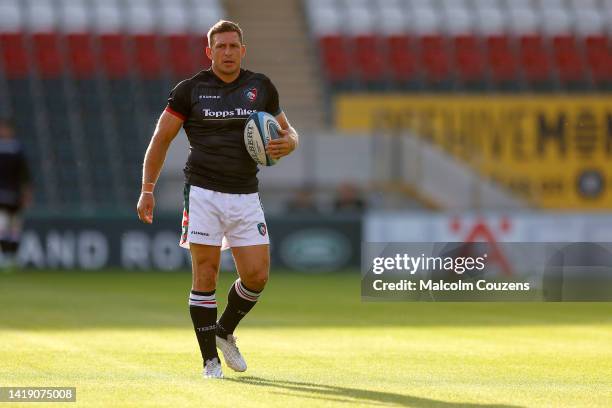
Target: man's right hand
[146, 204]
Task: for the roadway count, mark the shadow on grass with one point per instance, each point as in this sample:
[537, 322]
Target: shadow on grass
[354, 395]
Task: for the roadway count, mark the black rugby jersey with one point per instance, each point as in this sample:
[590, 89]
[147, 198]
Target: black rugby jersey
[214, 115]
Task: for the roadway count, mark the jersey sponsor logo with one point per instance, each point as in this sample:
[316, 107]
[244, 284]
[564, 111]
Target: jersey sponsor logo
[251, 94]
[261, 227]
[209, 113]
[209, 97]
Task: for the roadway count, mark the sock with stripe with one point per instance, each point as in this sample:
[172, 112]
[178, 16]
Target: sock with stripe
[240, 300]
[203, 311]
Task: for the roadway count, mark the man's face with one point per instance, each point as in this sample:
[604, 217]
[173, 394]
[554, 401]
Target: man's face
[226, 52]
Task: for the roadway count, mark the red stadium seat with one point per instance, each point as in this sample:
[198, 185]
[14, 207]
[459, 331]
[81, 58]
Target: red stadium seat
[330, 43]
[113, 55]
[398, 43]
[47, 55]
[199, 44]
[368, 58]
[501, 59]
[469, 60]
[146, 55]
[435, 58]
[568, 59]
[401, 58]
[599, 58]
[337, 67]
[180, 55]
[534, 59]
[336, 58]
[81, 57]
[596, 43]
[15, 59]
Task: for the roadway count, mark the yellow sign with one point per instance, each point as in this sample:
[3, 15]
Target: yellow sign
[554, 151]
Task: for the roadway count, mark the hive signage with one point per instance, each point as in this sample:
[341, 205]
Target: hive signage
[553, 151]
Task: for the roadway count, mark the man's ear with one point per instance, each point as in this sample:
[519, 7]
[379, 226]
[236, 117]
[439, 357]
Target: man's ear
[208, 53]
[242, 51]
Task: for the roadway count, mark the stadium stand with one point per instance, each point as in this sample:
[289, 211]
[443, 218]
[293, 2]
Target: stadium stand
[464, 44]
[84, 81]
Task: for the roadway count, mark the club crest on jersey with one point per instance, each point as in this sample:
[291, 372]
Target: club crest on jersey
[251, 94]
[262, 228]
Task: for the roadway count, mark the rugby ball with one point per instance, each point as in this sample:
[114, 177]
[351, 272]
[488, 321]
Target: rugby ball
[260, 128]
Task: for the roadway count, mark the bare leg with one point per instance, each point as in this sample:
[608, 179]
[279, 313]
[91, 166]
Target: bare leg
[253, 265]
[205, 260]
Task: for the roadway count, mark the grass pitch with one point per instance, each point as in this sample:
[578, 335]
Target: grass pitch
[125, 339]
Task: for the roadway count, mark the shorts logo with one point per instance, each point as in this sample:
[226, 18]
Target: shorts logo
[251, 94]
[205, 234]
[262, 228]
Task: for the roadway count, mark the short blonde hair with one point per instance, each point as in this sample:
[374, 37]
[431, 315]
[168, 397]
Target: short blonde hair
[224, 26]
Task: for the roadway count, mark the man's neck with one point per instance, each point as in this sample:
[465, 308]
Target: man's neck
[226, 78]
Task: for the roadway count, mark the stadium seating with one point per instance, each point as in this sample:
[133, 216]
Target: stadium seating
[464, 44]
[84, 82]
[85, 79]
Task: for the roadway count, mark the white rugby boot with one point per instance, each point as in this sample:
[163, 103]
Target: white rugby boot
[231, 354]
[212, 369]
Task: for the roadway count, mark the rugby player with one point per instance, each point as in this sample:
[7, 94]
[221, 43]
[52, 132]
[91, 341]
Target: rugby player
[222, 206]
[15, 193]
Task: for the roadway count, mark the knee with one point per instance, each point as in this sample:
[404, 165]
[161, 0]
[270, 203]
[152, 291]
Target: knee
[256, 279]
[205, 276]
[259, 281]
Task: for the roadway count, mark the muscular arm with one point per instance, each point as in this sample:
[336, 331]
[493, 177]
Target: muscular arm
[288, 141]
[167, 127]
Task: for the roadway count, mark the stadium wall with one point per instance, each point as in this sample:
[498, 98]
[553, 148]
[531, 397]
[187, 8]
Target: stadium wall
[306, 243]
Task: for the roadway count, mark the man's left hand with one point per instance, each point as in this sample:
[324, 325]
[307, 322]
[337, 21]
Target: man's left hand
[282, 146]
